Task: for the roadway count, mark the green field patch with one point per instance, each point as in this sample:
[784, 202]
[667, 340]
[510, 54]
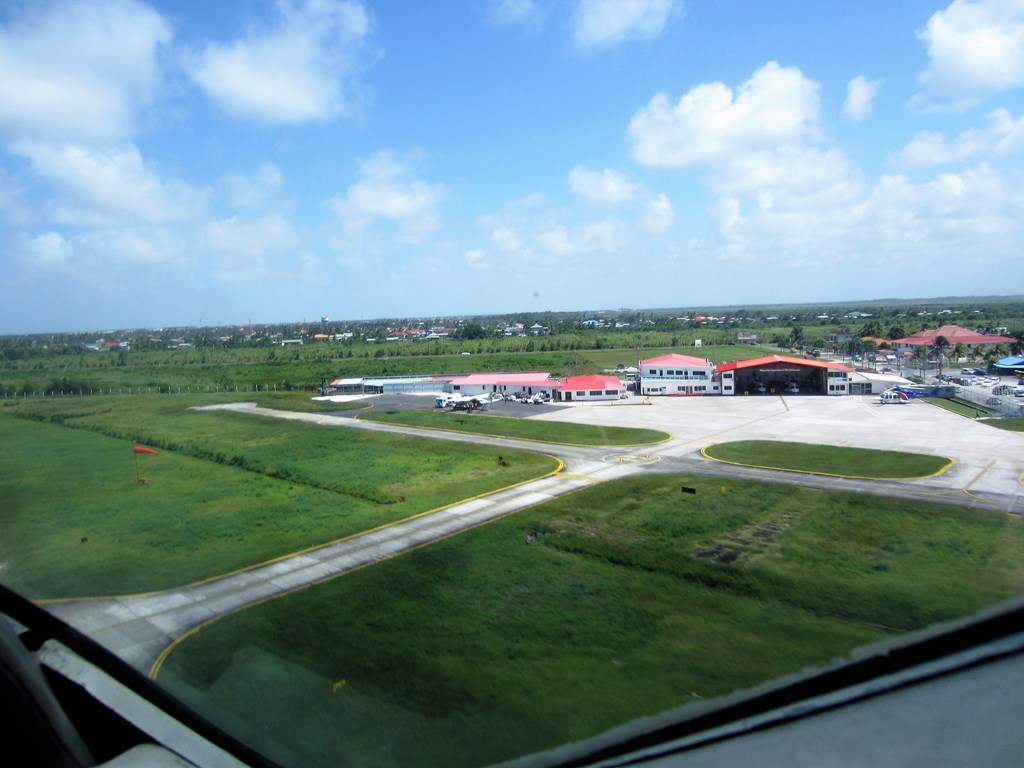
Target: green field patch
[575, 616]
[960, 405]
[524, 429]
[828, 460]
[1010, 425]
[227, 491]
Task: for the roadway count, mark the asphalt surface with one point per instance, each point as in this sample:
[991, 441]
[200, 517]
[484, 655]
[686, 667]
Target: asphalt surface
[986, 474]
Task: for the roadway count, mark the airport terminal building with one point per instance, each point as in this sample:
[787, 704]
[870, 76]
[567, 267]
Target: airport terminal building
[678, 375]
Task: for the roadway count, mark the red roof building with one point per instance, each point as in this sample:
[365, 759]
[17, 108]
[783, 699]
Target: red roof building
[530, 383]
[589, 388]
[954, 334]
[674, 374]
[783, 375]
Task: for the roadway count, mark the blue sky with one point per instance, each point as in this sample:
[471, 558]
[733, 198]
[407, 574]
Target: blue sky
[184, 163]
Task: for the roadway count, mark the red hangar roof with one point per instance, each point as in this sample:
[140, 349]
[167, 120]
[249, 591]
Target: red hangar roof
[674, 359]
[778, 362]
[586, 383]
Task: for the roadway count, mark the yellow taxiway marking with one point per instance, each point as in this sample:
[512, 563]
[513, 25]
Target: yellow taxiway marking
[584, 478]
[978, 476]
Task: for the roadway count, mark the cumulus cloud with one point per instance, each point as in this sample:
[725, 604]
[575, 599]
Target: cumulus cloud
[387, 192]
[777, 106]
[79, 71]
[252, 248]
[609, 23]
[897, 222]
[973, 48]
[305, 69]
[249, 237]
[811, 172]
[48, 251]
[98, 187]
[860, 95]
[948, 213]
[1002, 136]
[608, 187]
[659, 214]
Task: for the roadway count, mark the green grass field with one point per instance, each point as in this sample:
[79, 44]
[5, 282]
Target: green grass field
[551, 625]
[223, 370]
[630, 598]
[226, 492]
[828, 460]
[526, 429]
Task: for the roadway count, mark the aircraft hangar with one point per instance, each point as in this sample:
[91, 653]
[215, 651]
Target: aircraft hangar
[779, 374]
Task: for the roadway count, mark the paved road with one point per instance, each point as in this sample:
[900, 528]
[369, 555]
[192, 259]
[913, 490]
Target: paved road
[986, 475]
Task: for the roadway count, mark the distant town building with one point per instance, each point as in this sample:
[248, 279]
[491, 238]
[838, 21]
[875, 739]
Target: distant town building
[972, 340]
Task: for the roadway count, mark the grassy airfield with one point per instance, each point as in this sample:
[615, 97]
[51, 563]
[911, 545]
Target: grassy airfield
[551, 625]
[630, 598]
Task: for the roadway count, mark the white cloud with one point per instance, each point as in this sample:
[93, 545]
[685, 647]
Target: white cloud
[79, 71]
[98, 188]
[250, 249]
[777, 106]
[475, 258]
[249, 237]
[608, 23]
[1002, 136]
[153, 245]
[48, 251]
[602, 236]
[973, 48]
[386, 192]
[812, 173]
[888, 231]
[303, 70]
[860, 95]
[951, 212]
[607, 187]
[659, 214]
[516, 12]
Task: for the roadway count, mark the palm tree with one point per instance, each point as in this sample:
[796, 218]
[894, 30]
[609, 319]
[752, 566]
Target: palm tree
[867, 348]
[1017, 345]
[897, 330]
[959, 350]
[939, 347]
[921, 357]
[871, 328]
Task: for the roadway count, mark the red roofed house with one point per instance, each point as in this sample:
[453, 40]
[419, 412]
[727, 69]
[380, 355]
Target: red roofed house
[954, 334]
[677, 375]
[589, 388]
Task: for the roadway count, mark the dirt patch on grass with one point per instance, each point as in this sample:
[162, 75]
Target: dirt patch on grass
[745, 545]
